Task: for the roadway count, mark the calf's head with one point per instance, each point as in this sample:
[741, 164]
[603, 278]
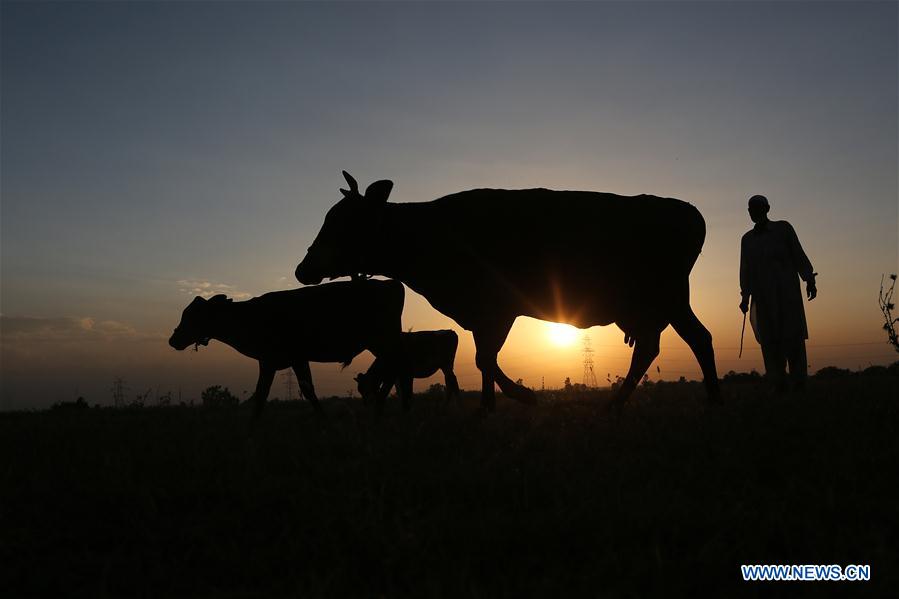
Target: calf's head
[367, 384]
[196, 322]
[348, 233]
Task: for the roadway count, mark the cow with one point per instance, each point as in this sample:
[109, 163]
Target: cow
[483, 257]
[288, 329]
[420, 355]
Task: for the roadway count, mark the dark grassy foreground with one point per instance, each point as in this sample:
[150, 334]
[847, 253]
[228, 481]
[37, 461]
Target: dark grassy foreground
[556, 500]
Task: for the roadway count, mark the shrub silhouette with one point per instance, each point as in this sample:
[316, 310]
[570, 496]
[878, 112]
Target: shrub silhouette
[216, 397]
[78, 404]
[832, 372]
[886, 307]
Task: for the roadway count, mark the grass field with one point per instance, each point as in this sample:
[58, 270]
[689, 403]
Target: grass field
[555, 500]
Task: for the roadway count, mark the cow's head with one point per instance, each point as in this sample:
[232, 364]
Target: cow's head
[196, 322]
[340, 247]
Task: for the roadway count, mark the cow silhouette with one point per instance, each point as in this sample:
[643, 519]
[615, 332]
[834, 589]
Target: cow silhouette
[288, 329]
[486, 256]
[419, 355]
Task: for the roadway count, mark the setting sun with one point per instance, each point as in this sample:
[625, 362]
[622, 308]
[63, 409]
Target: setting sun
[561, 334]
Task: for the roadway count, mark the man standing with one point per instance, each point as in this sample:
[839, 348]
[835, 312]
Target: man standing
[770, 259]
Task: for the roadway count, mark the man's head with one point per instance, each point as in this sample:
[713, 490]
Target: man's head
[758, 208]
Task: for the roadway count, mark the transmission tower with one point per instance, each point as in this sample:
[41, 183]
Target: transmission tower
[118, 392]
[589, 375]
[288, 383]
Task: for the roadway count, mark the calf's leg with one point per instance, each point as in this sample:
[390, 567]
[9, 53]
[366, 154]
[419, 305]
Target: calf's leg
[263, 387]
[304, 379]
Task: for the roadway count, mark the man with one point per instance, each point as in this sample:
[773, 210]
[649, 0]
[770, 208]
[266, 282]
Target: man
[770, 259]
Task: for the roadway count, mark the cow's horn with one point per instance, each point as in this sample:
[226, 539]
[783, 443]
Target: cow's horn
[354, 187]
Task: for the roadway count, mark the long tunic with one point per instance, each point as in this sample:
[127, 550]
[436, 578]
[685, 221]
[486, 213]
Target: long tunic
[770, 260]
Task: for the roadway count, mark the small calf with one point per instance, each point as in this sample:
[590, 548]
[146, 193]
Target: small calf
[288, 329]
[421, 354]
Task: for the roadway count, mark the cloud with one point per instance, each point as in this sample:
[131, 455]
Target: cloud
[64, 328]
[207, 289]
[285, 283]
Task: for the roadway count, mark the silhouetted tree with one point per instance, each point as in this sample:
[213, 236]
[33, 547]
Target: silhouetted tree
[875, 370]
[140, 400]
[739, 377]
[78, 404]
[832, 372]
[887, 307]
[216, 397]
[436, 390]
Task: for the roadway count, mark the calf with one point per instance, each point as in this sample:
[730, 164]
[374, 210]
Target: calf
[288, 329]
[420, 355]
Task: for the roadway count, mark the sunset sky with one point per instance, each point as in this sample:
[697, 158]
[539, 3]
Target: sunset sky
[153, 151]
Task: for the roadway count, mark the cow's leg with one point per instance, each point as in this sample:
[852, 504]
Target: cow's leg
[304, 379]
[383, 391]
[263, 387]
[699, 339]
[646, 349]
[452, 385]
[488, 340]
[404, 389]
[514, 390]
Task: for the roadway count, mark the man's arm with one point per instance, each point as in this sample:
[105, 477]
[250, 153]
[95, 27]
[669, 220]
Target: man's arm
[801, 263]
[745, 292]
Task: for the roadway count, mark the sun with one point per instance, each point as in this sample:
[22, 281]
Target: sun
[561, 334]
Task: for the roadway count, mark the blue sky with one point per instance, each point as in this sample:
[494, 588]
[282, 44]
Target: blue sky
[149, 149]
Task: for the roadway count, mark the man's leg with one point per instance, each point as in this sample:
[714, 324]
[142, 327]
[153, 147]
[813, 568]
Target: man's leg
[798, 362]
[775, 364]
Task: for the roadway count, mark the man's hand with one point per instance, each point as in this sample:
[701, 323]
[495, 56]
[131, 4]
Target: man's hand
[744, 306]
[811, 290]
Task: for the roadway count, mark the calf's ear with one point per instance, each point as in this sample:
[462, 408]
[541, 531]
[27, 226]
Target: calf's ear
[379, 190]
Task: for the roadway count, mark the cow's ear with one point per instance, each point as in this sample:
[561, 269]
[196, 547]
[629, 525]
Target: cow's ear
[379, 190]
[199, 300]
[219, 299]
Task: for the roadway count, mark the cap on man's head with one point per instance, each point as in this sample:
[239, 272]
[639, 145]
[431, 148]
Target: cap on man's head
[758, 200]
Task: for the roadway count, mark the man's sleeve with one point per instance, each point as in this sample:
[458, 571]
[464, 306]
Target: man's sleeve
[800, 261]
